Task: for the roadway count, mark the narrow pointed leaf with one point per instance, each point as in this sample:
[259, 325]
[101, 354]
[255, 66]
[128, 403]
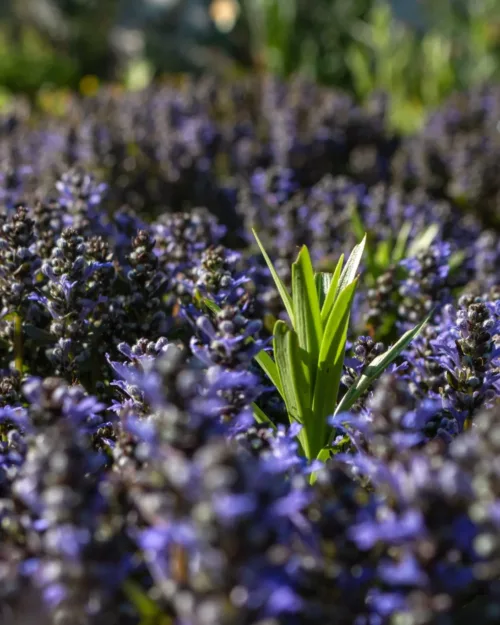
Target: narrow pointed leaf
[456, 259]
[294, 379]
[146, 607]
[357, 223]
[301, 375]
[382, 257]
[359, 231]
[330, 363]
[351, 267]
[332, 292]
[322, 280]
[285, 295]
[284, 365]
[323, 456]
[377, 366]
[423, 241]
[306, 307]
[260, 416]
[342, 304]
[269, 367]
[211, 305]
[399, 251]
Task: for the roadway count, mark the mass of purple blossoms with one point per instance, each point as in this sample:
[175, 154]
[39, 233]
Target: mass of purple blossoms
[136, 487]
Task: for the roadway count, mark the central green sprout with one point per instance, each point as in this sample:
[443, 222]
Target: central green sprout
[309, 354]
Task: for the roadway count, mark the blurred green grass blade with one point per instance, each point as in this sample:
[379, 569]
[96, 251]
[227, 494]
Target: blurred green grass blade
[332, 292]
[357, 225]
[351, 267]
[285, 296]
[399, 251]
[306, 308]
[456, 259]
[211, 305]
[423, 241]
[145, 606]
[382, 257]
[379, 364]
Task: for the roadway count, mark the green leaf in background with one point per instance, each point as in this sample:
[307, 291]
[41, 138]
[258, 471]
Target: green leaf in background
[357, 225]
[149, 612]
[456, 259]
[423, 241]
[358, 62]
[285, 296]
[399, 251]
[374, 253]
[272, 27]
[379, 364]
[332, 292]
[211, 305]
[382, 257]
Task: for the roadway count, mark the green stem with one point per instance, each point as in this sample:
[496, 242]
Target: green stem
[18, 342]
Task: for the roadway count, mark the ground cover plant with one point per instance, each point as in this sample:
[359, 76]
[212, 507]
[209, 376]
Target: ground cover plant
[250, 360]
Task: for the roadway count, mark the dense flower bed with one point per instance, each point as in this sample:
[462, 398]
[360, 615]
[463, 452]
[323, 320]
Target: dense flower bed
[135, 485]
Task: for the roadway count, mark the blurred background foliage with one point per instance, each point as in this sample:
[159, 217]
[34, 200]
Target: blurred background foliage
[416, 51]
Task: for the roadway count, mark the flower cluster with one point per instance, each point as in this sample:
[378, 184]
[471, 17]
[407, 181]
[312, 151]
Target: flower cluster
[147, 476]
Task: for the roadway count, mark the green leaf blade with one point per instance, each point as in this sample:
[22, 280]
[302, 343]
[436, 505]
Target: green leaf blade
[284, 365]
[211, 305]
[294, 375]
[379, 364]
[331, 360]
[301, 378]
[332, 292]
[357, 225]
[306, 307]
[323, 456]
[423, 241]
[260, 416]
[322, 280]
[285, 295]
[351, 268]
[401, 243]
[269, 367]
